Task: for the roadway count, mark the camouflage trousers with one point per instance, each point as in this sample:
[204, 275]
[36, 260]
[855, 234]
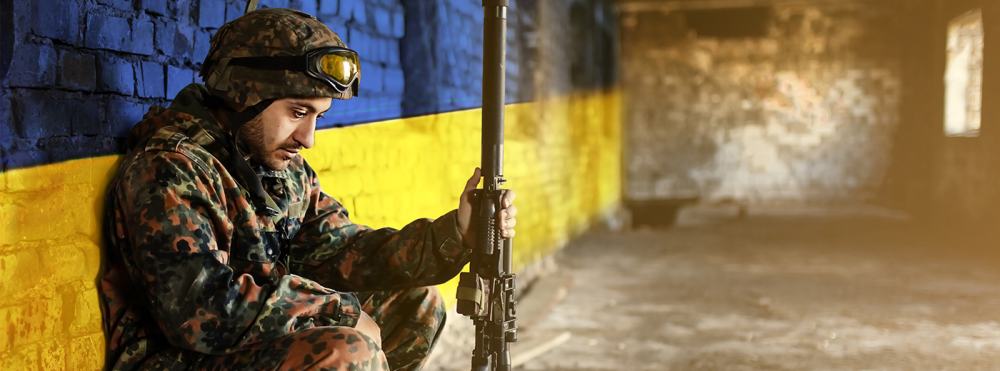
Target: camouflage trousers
[410, 320]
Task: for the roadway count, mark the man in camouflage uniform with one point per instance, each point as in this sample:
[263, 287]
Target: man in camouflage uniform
[223, 261]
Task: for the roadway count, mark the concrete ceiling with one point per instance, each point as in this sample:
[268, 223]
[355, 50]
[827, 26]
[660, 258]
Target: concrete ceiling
[668, 5]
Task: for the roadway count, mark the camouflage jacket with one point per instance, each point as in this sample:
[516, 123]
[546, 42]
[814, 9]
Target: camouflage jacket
[190, 264]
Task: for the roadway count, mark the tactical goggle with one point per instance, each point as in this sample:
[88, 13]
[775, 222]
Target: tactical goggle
[338, 67]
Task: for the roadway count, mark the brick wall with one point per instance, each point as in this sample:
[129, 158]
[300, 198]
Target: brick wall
[50, 257]
[442, 54]
[108, 60]
[374, 29]
[82, 72]
[804, 111]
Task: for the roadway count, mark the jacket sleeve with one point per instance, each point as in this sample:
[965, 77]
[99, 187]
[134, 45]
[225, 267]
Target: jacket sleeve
[171, 221]
[340, 254]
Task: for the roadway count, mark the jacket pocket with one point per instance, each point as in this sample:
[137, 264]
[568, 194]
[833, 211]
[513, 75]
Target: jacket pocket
[255, 253]
[252, 247]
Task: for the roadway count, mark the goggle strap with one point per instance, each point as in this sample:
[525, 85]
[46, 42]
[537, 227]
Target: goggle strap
[287, 63]
[296, 63]
[299, 63]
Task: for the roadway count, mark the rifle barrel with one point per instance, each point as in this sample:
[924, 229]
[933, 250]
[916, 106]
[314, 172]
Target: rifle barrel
[494, 59]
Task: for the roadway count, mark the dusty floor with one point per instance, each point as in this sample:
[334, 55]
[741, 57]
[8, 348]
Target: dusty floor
[784, 289]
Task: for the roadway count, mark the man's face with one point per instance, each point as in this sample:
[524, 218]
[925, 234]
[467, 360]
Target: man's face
[286, 127]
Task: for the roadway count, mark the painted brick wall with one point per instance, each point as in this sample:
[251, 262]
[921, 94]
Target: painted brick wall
[114, 58]
[82, 72]
[442, 54]
[49, 259]
[804, 112]
[374, 29]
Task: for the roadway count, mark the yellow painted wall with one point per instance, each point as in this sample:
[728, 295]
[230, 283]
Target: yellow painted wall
[562, 156]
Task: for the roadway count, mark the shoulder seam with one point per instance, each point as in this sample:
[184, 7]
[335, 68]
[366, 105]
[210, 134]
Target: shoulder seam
[176, 148]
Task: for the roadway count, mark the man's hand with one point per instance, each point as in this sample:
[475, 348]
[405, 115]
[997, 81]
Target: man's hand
[505, 217]
[465, 210]
[366, 325]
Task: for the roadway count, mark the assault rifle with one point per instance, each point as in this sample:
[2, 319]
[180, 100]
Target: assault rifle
[486, 293]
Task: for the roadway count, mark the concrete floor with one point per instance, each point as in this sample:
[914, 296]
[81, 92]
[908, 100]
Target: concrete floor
[784, 289]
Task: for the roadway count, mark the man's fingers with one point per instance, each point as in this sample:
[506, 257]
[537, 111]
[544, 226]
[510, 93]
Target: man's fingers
[507, 233]
[508, 198]
[509, 213]
[473, 182]
[508, 223]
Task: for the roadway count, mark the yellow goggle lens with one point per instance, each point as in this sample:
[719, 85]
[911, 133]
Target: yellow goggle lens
[341, 67]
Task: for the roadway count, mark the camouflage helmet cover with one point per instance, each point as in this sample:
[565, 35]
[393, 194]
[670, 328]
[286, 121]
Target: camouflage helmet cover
[267, 32]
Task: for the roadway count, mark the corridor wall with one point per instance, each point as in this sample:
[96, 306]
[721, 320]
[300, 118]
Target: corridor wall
[778, 102]
[947, 181]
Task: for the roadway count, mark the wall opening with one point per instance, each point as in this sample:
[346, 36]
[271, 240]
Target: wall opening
[6, 36]
[729, 23]
[582, 26]
[964, 75]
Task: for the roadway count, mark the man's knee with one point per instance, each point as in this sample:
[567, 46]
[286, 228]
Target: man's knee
[423, 305]
[438, 311]
[432, 311]
[432, 302]
[411, 321]
[327, 348]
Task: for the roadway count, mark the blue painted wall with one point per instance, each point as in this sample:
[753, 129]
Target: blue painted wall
[77, 74]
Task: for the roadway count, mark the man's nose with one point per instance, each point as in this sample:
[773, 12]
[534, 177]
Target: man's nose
[305, 134]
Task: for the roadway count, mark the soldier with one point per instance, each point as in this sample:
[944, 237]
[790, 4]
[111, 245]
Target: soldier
[226, 253]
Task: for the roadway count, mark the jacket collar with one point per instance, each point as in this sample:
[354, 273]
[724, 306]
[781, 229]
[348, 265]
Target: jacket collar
[205, 130]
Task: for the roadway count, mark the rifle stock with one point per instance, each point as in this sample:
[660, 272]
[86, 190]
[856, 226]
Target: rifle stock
[486, 293]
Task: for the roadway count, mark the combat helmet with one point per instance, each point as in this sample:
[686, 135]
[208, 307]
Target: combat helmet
[276, 53]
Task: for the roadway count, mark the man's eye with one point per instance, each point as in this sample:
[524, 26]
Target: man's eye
[299, 114]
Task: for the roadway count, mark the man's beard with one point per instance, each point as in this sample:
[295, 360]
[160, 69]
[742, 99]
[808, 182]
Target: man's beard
[252, 134]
